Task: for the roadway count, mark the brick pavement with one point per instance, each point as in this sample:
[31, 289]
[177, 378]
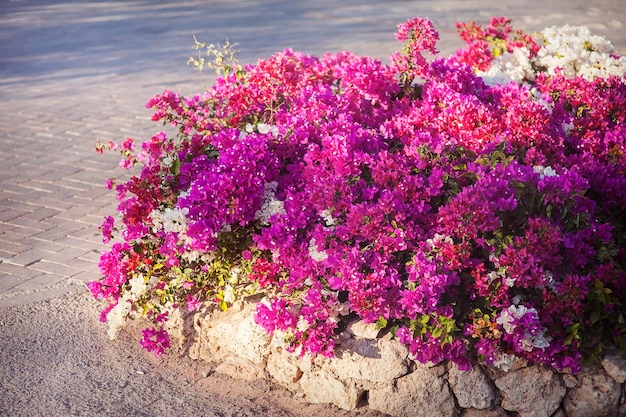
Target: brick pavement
[79, 71]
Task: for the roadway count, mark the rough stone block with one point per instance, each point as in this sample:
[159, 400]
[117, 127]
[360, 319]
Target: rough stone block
[422, 393]
[532, 392]
[472, 389]
[359, 329]
[597, 396]
[236, 331]
[321, 388]
[615, 366]
[370, 361]
[283, 367]
[495, 412]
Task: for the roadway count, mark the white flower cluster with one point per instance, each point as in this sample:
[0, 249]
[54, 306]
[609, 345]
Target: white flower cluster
[270, 205]
[501, 276]
[176, 220]
[573, 49]
[438, 239]
[328, 218]
[168, 161]
[544, 171]
[504, 361]
[118, 314]
[195, 256]
[170, 220]
[262, 128]
[529, 341]
[510, 66]
[315, 253]
[577, 51]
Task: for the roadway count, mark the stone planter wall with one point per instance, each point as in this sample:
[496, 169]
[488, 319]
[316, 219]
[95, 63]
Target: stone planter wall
[376, 372]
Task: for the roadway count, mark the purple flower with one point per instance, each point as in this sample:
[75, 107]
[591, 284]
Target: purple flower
[412, 193]
[107, 228]
[155, 340]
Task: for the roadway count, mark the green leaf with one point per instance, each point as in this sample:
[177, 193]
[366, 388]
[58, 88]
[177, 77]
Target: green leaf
[595, 317]
[381, 323]
[449, 339]
[436, 332]
[175, 167]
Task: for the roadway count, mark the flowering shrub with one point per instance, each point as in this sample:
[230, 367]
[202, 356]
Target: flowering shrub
[474, 220]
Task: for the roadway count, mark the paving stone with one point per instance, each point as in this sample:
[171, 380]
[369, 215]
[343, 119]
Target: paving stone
[17, 271]
[52, 268]
[28, 257]
[84, 265]
[5, 255]
[94, 219]
[28, 195]
[92, 255]
[8, 282]
[66, 255]
[8, 203]
[86, 276]
[41, 214]
[11, 213]
[95, 190]
[76, 212]
[81, 243]
[26, 222]
[13, 246]
[48, 246]
[40, 282]
[20, 233]
[55, 233]
[88, 234]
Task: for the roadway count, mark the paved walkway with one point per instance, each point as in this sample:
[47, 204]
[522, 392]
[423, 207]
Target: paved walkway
[74, 72]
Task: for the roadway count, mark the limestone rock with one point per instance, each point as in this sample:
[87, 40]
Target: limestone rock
[321, 388]
[615, 366]
[495, 412]
[533, 391]
[472, 389]
[236, 332]
[240, 368]
[178, 326]
[597, 396]
[360, 329]
[570, 381]
[193, 340]
[422, 393]
[494, 372]
[283, 367]
[367, 360]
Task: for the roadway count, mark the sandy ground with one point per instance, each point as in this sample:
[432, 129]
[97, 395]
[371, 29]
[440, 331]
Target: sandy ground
[55, 358]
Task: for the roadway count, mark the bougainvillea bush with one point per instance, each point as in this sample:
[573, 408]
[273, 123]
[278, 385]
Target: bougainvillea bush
[472, 205]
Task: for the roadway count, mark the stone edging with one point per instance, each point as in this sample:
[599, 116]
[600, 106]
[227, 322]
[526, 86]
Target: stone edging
[377, 373]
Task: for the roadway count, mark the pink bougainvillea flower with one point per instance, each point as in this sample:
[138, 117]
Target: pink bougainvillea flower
[155, 340]
[107, 228]
[192, 303]
[480, 219]
[420, 32]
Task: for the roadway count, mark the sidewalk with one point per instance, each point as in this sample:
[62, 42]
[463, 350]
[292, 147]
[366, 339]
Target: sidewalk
[75, 72]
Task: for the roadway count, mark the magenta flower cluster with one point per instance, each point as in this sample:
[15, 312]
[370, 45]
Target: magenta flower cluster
[475, 222]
